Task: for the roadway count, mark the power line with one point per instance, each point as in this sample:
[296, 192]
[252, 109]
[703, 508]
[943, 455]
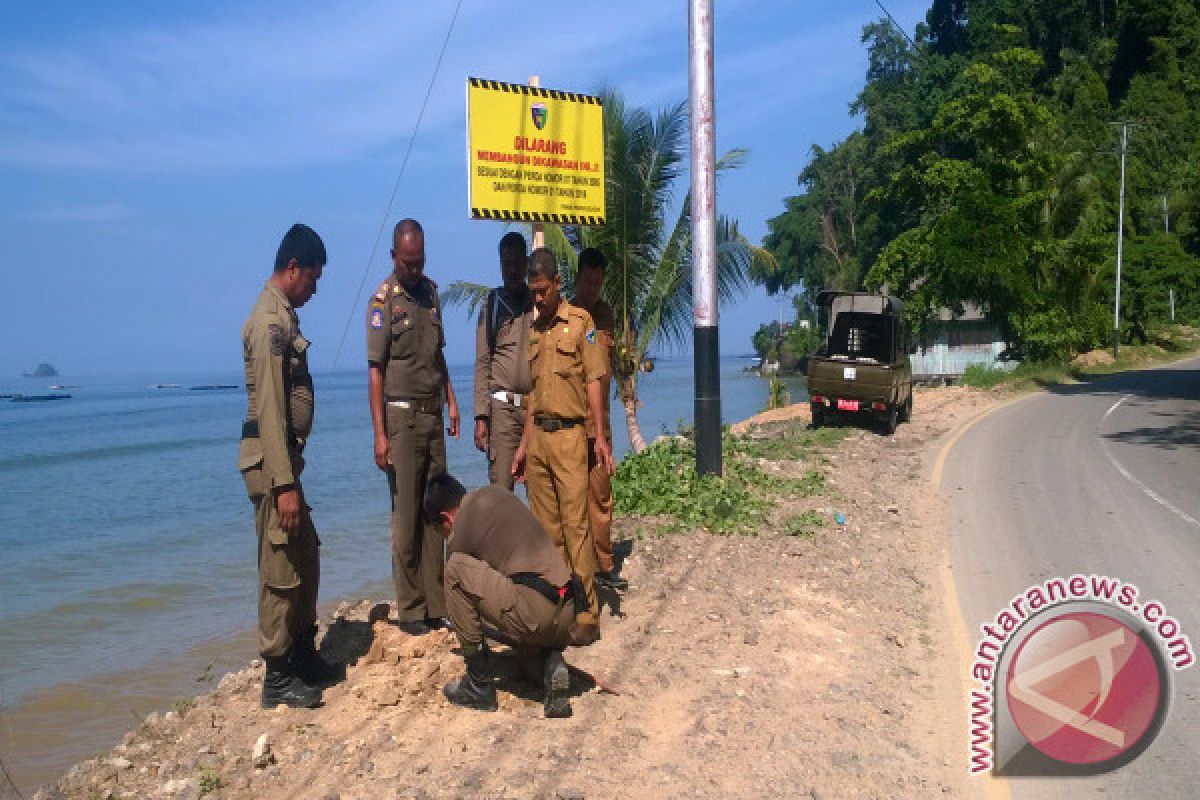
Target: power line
[896, 25]
[396, 186]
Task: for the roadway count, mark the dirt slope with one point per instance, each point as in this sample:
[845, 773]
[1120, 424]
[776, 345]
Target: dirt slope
[813, 666]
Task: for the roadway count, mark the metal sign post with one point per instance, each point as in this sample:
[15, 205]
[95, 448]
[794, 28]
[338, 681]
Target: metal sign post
[704, 238]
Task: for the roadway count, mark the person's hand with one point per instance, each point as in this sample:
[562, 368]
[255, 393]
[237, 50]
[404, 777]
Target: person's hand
[452, 410]
[518, 465]
[604, 456]
[381, 451]
[287, 503]
[481, 435]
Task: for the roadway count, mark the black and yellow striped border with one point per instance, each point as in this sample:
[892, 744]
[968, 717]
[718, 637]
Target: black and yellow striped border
[505, 215]
[535, 91]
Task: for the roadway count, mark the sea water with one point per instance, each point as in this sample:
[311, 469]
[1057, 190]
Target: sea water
[128, 542]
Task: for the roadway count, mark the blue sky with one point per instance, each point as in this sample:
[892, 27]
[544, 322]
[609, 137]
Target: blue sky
[152, 154]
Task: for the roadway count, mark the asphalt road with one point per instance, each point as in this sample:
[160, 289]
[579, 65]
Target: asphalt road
[1094, 478]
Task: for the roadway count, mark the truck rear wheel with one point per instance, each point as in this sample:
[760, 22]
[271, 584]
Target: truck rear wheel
[818, 416]
[887, 424]
[906, 413]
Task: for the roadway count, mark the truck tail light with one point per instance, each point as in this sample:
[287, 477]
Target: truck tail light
[879, 406]
[816, 398]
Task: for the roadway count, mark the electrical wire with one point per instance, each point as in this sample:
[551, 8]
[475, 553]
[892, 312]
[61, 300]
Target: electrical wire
[896, 25]
[396, 186]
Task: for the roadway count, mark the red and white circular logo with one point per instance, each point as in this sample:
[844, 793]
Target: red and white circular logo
[1084, 688]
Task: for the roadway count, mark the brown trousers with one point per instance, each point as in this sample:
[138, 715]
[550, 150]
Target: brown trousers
[418, 451]
[600, 507]
[289, 571]
[506, 423]
[556, 480]
[476, 593]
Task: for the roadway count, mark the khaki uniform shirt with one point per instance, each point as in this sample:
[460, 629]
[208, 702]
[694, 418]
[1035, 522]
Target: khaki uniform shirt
[564, 357]
[404, 337]
[279, 388]
[605, 320]
[505, 368]
[494, 526]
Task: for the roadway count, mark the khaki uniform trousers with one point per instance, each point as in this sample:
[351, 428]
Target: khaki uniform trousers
[476, 593]
[600, 507]
[418, 452]
[289, 571]
[506, 423]
[556, 480]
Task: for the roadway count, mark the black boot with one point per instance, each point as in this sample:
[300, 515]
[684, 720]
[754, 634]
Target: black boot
[557, 680]
[308, 665]
[476, 689]
[281, 686]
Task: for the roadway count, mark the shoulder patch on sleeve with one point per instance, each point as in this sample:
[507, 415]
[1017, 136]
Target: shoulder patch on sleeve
[278, 338]
[590, 336]
[376, 317]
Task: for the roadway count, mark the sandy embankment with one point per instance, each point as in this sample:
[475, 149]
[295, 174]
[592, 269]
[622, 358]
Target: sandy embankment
[743, 666]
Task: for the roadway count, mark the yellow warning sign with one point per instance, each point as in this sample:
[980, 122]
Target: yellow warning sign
[534, 155]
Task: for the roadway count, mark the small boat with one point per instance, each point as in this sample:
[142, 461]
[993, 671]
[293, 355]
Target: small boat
[37, 398]
[164, 386]
[212, 387]
[56, 386]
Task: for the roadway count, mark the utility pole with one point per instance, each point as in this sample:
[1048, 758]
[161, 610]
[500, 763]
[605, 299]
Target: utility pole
[704, 238]
[1120, 242]
[1166, 215]
[1171, 296]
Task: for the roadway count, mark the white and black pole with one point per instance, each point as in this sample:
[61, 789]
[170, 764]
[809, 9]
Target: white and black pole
[704, 237]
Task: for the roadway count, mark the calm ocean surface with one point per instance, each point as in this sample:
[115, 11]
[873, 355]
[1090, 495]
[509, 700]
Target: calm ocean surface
[127, 537]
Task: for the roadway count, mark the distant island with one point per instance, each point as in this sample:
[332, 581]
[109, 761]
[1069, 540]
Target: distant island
[43, 370]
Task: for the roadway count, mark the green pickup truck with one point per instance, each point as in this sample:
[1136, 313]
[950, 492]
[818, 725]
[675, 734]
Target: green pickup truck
[862, 366]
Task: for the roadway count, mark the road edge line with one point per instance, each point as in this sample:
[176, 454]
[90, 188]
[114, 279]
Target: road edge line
[992, 787]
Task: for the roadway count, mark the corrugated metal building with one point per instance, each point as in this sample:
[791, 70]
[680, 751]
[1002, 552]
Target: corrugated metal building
[954, 342]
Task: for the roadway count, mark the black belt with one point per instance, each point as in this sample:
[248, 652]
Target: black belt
[552, 424]
[545, 588]
[423, 405]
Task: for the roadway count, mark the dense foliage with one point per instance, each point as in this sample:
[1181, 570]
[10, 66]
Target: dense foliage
[986, 171]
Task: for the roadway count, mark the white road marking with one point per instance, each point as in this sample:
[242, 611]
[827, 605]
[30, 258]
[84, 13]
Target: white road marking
[1153, 495]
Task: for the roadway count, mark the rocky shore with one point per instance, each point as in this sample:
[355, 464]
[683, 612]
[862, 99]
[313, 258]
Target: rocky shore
[807, 661]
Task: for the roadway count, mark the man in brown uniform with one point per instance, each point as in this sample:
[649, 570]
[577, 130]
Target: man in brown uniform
[408, 383]
[589, 284]
[502, 569]
[501, 365]
[567, 366]
[279, 417]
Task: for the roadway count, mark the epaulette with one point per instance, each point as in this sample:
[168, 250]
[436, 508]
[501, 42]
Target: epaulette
[381, 296]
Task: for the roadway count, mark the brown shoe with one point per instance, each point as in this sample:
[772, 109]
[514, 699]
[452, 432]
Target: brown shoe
[584, 634]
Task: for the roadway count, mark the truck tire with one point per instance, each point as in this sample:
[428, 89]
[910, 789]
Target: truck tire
[818, 416]
[887, 423]
[906, 412]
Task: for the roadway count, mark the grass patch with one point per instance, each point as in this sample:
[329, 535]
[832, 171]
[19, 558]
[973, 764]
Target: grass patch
[805, 525]
[982, 376]
[790, 441]
[662, 481]
[209, 781]
[181, 707]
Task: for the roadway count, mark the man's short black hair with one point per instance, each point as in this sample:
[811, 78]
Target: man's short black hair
[590, 257]
[543, 264]
[407, 226]
[442, 493]
[513, 240]
[301, 243]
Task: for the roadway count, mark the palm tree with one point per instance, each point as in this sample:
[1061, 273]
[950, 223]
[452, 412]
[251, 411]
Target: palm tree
[649, 277]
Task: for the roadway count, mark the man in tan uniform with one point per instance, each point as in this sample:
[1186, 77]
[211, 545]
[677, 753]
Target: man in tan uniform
[567, 366]
[408, 384]
[279, 417]
[503, 570]
[501, 365]
[589, 285]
